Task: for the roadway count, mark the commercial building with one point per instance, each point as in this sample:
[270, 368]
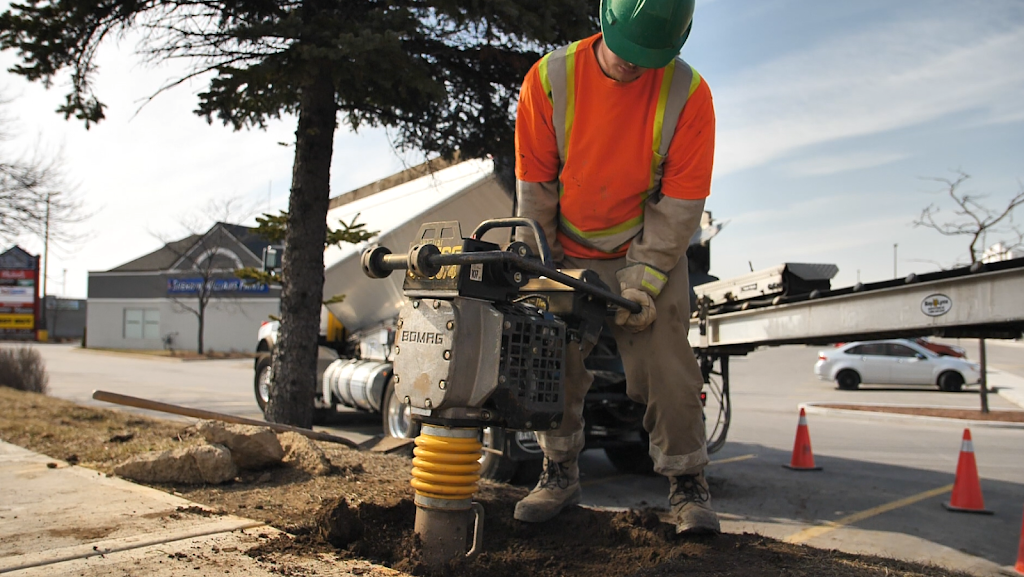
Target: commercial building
[155, 301]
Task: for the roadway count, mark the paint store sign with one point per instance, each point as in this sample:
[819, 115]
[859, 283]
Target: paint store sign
[191, 286]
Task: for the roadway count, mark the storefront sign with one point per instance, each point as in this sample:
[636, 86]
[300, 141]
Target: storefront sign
[18, 298]
[192, 286]
[25, 322]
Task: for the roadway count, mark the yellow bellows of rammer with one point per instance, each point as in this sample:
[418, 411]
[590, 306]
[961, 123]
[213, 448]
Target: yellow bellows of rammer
[446, 467]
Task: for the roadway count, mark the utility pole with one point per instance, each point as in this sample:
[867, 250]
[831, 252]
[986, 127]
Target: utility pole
[46, 261]
[894, 274]
[984, 376]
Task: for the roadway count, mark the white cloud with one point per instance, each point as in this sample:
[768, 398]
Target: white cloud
[896, 75]
[832, 164]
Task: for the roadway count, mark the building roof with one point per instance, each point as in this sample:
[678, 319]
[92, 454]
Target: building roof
[17, 257]
[166, 256]
[160, 259]
[248, 237]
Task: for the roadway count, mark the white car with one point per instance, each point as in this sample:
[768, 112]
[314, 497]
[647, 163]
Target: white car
[898, 362]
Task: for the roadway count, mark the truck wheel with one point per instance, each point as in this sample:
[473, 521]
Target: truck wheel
[848, 380]
[496, 467]
[264, 378]
[951, 382]
[396, 416]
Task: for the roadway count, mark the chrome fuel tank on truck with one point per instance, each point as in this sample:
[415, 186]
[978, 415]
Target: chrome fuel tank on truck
[467, 192]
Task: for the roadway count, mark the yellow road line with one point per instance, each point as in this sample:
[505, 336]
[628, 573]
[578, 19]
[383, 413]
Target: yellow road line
[829, 526]
[617, 477]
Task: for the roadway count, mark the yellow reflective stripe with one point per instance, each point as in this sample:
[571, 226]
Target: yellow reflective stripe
[621, 227]
[570, 94]
[659, 120]
[655, 291]
[659, 114]
[545, 82]
[656, 273]
[695, 82]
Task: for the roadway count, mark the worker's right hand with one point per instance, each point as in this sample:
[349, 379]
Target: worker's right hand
[636, 322]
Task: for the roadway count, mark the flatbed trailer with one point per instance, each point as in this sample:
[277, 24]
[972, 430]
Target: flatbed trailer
[984, 301]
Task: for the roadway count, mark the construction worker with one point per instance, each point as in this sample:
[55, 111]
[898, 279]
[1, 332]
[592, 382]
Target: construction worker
[614, 147]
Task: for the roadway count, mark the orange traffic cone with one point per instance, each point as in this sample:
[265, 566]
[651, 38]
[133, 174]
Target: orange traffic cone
[1020, 551]
[966, 496]
[803, 458]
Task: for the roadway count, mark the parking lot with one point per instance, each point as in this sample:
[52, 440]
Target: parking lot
[880, 491]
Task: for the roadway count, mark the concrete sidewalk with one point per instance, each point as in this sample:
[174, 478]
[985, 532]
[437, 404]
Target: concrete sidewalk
[1009, 386]
[57, 519]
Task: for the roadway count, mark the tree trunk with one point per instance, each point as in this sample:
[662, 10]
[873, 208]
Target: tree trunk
[291, 396]
[202, 324]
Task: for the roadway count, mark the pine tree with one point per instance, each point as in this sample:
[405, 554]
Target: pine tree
[442, 73]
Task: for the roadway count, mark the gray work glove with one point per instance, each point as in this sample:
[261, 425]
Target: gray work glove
[637, 322]
[640, 283]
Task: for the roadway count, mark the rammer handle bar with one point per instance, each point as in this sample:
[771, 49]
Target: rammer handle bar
[427, 258]
[513, 222]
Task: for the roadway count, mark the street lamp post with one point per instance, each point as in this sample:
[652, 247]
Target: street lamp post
[894, 274]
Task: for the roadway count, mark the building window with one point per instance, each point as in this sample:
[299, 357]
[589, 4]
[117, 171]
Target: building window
[142, 324]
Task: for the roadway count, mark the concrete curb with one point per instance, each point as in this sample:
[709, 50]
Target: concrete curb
[813, 408]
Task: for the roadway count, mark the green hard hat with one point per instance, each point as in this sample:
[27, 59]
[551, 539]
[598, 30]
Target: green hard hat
[647, 33]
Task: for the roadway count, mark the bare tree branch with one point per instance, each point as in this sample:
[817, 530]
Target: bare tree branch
[972, 218]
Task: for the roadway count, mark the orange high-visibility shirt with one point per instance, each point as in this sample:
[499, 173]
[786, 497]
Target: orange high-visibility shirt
[609, 154]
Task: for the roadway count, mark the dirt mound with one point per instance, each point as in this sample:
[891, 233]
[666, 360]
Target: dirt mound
[377, 496]
[579, 543]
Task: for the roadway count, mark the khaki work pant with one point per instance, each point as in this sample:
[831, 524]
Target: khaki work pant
[661, 372]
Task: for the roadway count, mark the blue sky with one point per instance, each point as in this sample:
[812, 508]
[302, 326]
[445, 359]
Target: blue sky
[829, 116]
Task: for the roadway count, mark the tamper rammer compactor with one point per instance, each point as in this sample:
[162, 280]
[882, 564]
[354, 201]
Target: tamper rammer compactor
[480, 342]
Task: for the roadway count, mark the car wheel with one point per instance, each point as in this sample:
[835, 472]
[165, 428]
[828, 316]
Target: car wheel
[396, 416]
[848, 380]
[264, 378]
[951, 382]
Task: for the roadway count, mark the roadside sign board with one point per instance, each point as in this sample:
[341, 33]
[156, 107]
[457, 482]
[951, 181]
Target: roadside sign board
[19, 297]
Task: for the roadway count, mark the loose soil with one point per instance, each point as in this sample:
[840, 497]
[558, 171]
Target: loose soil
[1001, 416]
[364, 511]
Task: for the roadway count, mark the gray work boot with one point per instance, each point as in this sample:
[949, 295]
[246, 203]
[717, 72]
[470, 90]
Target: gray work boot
[690, 500]
[558, 488]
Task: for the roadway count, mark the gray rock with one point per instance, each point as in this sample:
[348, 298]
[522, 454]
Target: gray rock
[251, 447]
[210, 464]
[302, 453]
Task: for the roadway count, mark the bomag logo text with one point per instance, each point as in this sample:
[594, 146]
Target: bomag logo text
[422, 337]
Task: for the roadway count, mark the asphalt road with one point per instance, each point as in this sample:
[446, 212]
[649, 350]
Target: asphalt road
[881, 489]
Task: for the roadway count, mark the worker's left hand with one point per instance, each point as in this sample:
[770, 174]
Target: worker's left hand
[637, 322]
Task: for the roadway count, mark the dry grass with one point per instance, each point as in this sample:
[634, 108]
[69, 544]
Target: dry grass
[98, 438]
